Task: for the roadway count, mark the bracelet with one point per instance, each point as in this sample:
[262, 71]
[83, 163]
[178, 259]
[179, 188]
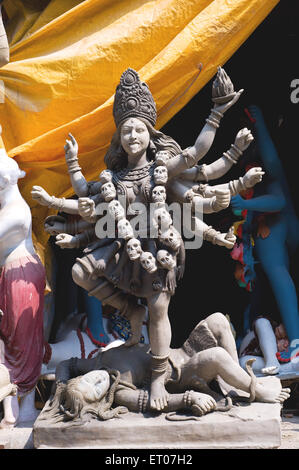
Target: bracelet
[57, 203]
[187, 398]
[211, 235]
[142, 401]
[214, 118]
[242, 184]
[73, 165]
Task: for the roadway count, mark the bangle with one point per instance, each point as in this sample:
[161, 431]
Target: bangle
[212, 123]
[242, 184]
[57, 203]
[142, 401]
[211, 235]
[73, 165]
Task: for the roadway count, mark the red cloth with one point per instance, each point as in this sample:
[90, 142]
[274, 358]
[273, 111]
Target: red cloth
[22, 284]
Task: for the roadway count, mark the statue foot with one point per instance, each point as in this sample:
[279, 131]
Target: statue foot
[270, 370]
[158, 396]
[269, 390]
[136, 320]
[8, 423]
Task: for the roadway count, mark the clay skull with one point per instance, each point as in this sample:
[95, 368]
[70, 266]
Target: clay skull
[116, 210]
[134, 249]
[124, 229]
[161, 157]
[162, 218]
[148, 262]
[105, 176]
[166, 260]
[160, 175]
[171, 238]
[108, 191]
[159, 194]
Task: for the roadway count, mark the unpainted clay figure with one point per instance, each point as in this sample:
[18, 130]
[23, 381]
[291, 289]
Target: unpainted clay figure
[131, 159]
[116, 380]
[22, 282]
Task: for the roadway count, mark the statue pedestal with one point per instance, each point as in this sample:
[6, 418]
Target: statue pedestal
[255, 426]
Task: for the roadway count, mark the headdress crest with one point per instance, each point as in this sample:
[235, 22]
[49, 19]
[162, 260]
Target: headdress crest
[133, 99]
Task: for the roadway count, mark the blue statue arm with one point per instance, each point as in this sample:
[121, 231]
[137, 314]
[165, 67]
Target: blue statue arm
[274, 201]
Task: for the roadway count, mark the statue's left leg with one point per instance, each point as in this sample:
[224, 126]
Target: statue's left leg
[160, 337]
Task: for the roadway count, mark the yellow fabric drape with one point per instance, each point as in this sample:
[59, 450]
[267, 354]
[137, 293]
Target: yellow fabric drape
[66, 60]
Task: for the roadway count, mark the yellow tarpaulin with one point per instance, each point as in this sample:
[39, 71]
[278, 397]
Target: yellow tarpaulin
[66, 60]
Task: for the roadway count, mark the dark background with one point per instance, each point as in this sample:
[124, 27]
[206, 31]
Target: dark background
[264, 66]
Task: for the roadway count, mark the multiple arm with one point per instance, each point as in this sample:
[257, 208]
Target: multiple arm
[191, 156]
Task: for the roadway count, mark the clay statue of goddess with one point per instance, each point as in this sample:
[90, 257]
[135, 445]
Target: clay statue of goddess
[147, 167]
[22, 281]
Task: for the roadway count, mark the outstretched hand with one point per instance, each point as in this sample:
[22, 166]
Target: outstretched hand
[253, 176]
[222, 108]
[226, 239]
[41, 196]
[64, 240]
[86, 206]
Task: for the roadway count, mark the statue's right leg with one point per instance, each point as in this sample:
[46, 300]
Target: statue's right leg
[108, 294]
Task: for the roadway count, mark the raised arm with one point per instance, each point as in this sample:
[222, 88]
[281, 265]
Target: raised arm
[191, 156]
[223, 164]
[78, 181]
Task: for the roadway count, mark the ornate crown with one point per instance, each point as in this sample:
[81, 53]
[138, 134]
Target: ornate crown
[133, 99]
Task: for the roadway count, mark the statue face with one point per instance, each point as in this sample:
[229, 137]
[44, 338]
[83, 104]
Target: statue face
[166, 260]
[159, 194]
[171, 238]
[94, 385]
[160, 175]
[105, 176]
[134, 137]
[108, 191]
[134, 249]
[148, 262]
[116, 210]
[124, 229]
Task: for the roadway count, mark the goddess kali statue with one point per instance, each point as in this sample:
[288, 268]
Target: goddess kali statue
[146, 171]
